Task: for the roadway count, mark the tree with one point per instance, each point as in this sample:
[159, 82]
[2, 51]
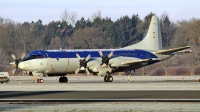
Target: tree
[96, 15]
[89, 38]
[24, 34]
[69, 17]
[80, 24]
[167, 30]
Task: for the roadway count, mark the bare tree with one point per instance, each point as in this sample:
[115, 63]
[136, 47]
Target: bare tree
[69, 17]
[88, 38]
[96, 15]
[24, 34]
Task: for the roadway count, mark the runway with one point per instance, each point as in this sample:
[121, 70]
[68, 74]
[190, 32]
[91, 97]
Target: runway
[91, 93]
[96, 83]
[96, 96]
[92, 88]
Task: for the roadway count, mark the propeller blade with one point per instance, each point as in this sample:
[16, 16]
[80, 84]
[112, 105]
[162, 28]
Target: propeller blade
[82, 63]
[77, 70]
[87, 58]
[16, 71]
[12, 64]
[23, 55]
[77, 55]
[100, 53]
[13, 71]
[16, 62]
[87, 71]
[110, 55]
[13, 56]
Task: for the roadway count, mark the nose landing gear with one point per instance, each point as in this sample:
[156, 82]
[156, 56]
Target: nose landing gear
[39, 80]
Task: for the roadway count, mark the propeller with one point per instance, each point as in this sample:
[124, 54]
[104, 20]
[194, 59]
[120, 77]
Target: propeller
[83, 63]
[16, 62]
[105, 59]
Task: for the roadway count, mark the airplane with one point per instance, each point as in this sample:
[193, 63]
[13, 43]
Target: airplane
[102, 62]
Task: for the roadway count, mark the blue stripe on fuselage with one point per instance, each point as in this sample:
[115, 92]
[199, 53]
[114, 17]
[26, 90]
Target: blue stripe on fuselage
[94, 53]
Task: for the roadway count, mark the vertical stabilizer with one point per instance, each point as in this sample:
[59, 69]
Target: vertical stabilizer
[152, 40]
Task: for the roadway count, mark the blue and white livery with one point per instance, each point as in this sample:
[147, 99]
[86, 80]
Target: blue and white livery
[102, 62]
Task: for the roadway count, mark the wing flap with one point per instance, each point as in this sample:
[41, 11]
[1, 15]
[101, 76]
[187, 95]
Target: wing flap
[136, 61]
[170, 51]
[140, 61]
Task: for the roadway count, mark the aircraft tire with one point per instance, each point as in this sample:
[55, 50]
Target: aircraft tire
[40, 81]
[61, 79]
[110, 79]
[65, 79]
[105, 78]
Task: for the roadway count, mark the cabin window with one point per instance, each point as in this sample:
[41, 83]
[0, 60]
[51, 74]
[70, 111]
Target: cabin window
[33, 57]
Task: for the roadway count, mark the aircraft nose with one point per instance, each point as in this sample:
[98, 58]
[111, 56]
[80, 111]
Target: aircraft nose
[21, 65]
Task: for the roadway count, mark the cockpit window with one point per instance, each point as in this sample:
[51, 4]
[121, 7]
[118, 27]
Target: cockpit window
[33, 57]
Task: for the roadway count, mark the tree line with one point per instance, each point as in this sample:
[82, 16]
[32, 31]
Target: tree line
[94, 33]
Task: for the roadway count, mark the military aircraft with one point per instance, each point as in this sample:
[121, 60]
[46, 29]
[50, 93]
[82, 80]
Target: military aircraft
[103, 62]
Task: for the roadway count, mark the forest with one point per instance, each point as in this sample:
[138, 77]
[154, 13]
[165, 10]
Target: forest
[98, 33]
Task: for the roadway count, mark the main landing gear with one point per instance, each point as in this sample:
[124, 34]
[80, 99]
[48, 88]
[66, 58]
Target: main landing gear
[63, 79]
[108, 78]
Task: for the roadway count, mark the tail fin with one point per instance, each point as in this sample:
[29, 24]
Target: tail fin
[153, 40]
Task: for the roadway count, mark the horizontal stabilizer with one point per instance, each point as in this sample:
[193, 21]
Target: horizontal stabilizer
[170, 51]
[184, 51]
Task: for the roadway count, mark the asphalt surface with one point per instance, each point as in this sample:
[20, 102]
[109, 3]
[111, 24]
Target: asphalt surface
[91, 93]
[91, 89]
[100, 95]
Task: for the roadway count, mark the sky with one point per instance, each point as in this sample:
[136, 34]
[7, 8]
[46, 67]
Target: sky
[50, 10]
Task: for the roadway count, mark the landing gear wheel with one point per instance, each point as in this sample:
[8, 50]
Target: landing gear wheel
[40, 81]
[105, 78]
[108, 78]
[63, 79]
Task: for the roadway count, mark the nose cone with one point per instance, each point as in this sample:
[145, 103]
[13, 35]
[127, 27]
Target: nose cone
[21, 65]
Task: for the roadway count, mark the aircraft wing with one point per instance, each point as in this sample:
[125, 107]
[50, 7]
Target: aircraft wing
[170, 51]
[135, 61]
[140, 61]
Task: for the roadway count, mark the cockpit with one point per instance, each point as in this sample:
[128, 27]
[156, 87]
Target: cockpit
[34, 55]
